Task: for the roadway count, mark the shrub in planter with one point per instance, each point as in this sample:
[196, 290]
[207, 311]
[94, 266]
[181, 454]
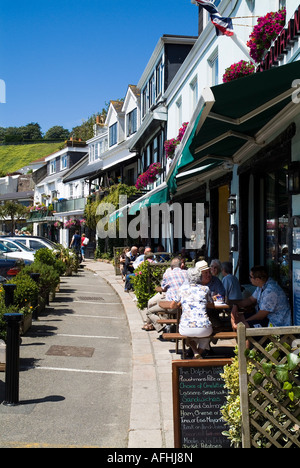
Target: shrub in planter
[69, 259]
[13, 309]
[47, 257]
[144, 289]
[49, 277]
[26, 291]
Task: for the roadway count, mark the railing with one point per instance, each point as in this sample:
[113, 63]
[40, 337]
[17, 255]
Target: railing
[39, 215]
[270, 388]
[75, 204]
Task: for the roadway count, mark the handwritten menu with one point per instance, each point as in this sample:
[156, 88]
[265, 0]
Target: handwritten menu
[198, 395]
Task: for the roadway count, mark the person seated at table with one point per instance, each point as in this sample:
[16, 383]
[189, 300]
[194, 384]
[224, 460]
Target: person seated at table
[128, 269]
[231, 283]
[173, 278]
[194, 321]
[207, 279]
[217, 291]
[271, 304]
[216, 268]
[122, 261]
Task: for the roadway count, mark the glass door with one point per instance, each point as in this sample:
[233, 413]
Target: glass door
[277, 222]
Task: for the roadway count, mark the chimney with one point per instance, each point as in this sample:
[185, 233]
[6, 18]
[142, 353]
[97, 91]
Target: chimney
[200, 20]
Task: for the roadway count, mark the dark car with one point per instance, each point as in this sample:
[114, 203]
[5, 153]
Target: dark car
[9, 267]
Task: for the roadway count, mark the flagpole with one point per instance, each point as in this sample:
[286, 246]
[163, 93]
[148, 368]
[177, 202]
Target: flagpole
[243, 47]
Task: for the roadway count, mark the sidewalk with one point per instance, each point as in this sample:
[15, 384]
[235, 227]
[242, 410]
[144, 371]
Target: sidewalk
[151, 416]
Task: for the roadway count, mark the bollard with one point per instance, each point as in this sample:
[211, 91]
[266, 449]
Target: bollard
[9, 293]
[35, 277]
[12, 359]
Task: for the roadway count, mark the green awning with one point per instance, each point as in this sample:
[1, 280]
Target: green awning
[239, 110]
[118, 213]
[156, 196]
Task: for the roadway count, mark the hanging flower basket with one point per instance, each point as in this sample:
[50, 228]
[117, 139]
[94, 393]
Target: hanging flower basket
[58, 224]
[71, 223]
[267, 29]
[238, 70]
[38, 207]
[149, 177]
[170, 145]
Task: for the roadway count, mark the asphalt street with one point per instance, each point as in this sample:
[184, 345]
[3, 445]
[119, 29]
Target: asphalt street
[75, 372]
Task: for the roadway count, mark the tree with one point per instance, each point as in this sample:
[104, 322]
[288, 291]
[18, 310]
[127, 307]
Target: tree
[31, 131]
[57, 133]
[14, 211]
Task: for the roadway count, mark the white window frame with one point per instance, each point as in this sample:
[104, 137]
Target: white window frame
[53, 166]
[179, 112]
[64, 161]
[194, 93]
[213, 67]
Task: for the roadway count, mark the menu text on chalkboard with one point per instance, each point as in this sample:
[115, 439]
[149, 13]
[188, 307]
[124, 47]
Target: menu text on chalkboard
[198, 394]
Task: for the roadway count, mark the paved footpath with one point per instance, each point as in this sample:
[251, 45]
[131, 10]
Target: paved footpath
[90, 376]
[75, 372]
[151, 414]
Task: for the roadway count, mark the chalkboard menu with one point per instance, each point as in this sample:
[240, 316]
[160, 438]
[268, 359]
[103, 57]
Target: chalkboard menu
[198, 395]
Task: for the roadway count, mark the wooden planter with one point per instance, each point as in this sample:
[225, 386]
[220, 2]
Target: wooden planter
[25, 324]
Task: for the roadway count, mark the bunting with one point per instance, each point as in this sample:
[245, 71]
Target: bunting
[223, 25]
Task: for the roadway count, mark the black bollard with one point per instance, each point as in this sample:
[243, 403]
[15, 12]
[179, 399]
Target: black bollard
[9, 293]
[12, 367]
[35, 277]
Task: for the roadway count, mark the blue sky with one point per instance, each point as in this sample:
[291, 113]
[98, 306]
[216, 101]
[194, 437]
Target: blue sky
[62, 60]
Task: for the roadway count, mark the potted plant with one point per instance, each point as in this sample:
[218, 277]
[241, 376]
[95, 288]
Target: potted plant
[238, 70]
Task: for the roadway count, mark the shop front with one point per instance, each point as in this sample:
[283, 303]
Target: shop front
[244, 142]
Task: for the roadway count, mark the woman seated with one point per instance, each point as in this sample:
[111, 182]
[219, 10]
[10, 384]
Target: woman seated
[194, 322]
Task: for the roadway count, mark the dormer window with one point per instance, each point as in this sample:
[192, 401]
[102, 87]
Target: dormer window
[113, 134]
[131, 122]
[53, 166]
[64, 161]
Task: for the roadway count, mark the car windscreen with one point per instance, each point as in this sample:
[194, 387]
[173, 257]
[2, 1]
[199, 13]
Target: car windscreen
[23, 246]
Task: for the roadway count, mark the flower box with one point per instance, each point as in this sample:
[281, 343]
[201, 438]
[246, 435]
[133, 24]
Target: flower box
[25, 323]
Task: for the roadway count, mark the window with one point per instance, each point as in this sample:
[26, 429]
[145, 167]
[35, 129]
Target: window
[132, 122]
[64, 161]
[96, 150]
[71, 190]
[213, 63]
[159, 79]
[194, 93]
[151, 91]
[145, 101]
[179, 112]
[282, 4]
[113, 134]
[53, 166]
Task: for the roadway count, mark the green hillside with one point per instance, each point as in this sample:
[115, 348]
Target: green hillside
[13, 157]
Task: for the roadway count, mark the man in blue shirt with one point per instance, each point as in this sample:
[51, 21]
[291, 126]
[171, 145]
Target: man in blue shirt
[271, 304]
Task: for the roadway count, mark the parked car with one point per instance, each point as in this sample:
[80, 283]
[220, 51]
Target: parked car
[33, 242]
[6, 252]
[17, 250]
[9, 267]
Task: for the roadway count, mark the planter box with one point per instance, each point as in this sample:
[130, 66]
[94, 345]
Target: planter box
[25, 324]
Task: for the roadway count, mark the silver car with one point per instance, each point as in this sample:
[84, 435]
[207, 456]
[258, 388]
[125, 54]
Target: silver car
[15, 249]
[33, 242]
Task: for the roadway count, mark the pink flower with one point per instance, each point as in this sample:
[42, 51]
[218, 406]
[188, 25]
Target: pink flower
[238, 70]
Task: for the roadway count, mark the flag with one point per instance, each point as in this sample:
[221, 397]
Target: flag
[223, 25]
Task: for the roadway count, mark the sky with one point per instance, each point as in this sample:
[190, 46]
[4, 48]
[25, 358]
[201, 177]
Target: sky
[63, 60]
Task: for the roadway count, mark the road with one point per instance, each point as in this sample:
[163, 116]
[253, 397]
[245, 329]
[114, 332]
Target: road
[75, 376]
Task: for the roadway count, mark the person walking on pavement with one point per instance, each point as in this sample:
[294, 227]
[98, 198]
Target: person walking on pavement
[76, 243]
[84, 243]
